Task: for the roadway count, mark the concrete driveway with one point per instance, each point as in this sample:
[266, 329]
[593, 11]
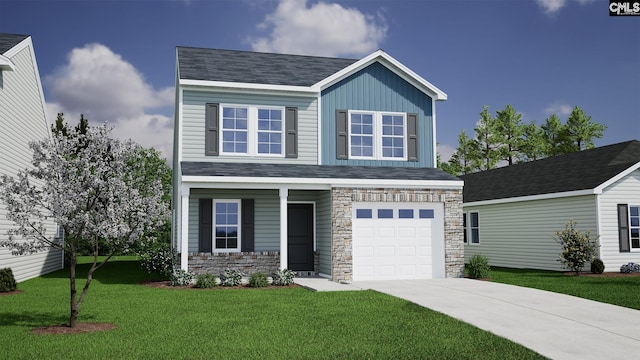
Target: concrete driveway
[555, 325]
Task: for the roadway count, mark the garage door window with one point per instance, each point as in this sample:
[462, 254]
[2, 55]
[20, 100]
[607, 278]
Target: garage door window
[426, 214]
[364, 214]
[405, 213]
[393, 214]
[385, 214]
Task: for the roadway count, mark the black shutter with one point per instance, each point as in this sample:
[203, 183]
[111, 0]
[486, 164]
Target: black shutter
[205, 225]
[291, 128]
[211, 145]
[248, 220]
[412, 137]
[623, 227]
[342, 135]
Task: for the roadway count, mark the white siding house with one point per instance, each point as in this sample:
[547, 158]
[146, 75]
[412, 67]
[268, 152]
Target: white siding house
[519, 208]
[22, 119]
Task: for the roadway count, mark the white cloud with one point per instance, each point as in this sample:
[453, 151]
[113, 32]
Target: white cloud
[553, 6]
[104, 87]
[558, 108]
[445, 151]
[325, 29]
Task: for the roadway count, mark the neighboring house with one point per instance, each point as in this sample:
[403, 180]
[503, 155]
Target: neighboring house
[512, 213]
[22, 120]
[324, 166]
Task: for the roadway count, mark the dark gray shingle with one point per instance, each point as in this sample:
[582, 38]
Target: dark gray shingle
[311, 171]
[7, 41]
[582, 170]
[256, 67]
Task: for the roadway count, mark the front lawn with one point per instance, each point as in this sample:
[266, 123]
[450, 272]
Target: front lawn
[288, 323]
[622, 291]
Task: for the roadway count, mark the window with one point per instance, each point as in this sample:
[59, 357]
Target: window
[473, 228]
[227, 225]
[405, 213]
[364, 214]
[377, 135]
[385, 213]
[252, 130]
[426, 214]
[634, 226]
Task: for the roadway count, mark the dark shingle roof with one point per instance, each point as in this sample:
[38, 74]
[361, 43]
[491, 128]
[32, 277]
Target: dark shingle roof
[7, 41]
[311, 171]
[256, 67]
[576, 171]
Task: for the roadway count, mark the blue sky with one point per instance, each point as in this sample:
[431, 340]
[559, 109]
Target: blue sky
[114, 61]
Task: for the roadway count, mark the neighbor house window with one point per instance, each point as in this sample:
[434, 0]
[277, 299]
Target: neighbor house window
[634, 226]
[464, 227]
[375, 135]
[474, 228]
[252, 130]
[226, 219]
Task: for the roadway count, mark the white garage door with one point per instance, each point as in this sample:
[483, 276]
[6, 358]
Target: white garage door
[397, 241]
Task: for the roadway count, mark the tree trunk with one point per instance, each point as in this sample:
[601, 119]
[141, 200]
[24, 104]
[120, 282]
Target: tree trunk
[73, 315]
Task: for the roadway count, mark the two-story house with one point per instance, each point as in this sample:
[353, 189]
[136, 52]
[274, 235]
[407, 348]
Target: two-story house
[22, 120]
[325, 166]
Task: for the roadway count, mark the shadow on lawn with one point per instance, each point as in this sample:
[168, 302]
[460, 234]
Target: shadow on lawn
[116, 272]
[32, 320]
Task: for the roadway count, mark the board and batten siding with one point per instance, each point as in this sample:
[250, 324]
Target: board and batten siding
[623, 191]
[193, 125]
[22, 119]
[376, 88]
[521, 234]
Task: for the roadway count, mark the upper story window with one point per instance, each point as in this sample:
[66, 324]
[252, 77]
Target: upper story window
[252, 130]
[375, 135]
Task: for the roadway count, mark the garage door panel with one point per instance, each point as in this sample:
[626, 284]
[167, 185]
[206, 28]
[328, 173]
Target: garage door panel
[394, 248]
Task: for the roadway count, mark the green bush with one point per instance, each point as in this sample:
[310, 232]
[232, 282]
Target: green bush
[479, 267]
[284, 277]
[258, 280]
[157, 258]
[597, 266]
[205, 281]
[578, 248]
[7, 281]
[231, 277]
[181, 278]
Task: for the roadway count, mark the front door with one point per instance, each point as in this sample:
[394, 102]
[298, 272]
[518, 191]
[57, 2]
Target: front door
[300, 237]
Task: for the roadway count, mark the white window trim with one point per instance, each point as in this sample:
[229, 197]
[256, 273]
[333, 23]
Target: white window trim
[631, 248]
[377, 135]
[213, 239]
[470, 228]
[252, 130]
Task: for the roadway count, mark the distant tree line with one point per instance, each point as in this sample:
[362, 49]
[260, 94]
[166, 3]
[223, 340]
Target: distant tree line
[506, 140]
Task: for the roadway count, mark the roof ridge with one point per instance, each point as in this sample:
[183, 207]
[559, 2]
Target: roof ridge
[266, 53]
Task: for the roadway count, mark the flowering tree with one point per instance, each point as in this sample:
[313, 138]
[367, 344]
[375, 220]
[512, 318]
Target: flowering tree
[578, 248]
[94, 187]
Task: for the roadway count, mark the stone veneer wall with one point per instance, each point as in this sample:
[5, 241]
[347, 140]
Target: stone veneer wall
[267, 262]
[342, 198]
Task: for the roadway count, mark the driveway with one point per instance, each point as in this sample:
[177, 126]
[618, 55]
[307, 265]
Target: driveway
[555, 325]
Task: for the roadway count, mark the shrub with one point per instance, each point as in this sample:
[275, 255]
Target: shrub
[231, 277]
[577, 248]
[597, 266]
[258, 280]
[629, 268]
[7, 281]
[205, 281]
[283, 277]
[479, 267]
[181, 278]
[157, 258]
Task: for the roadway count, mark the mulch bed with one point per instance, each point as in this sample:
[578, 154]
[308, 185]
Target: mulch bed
[604, 274]
[80, 328]
[14, 292]
[165, 285]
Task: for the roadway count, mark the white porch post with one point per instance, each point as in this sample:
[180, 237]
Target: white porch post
[184, 230]
[284, 193]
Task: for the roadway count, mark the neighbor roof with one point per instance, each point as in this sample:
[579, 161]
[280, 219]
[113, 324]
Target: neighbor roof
[7, 41]
[581, 170]
[311, 171]
[256, 67]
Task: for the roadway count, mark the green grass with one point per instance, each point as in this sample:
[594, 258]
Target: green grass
[288, 323]
[622, 291]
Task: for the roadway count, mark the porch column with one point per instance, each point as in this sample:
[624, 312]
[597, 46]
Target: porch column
[184, 231]
[284, 193]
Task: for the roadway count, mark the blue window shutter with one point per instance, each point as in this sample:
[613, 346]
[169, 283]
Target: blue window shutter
[623, 227]
[342, 134]
[412, 137]
[248, 227]
[205, 225]
[291, 136]
[211, 146]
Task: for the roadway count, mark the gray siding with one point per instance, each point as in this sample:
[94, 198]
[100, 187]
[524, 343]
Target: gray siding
[193, 125]
[623, 191]
[22, 119]
[521, 234]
